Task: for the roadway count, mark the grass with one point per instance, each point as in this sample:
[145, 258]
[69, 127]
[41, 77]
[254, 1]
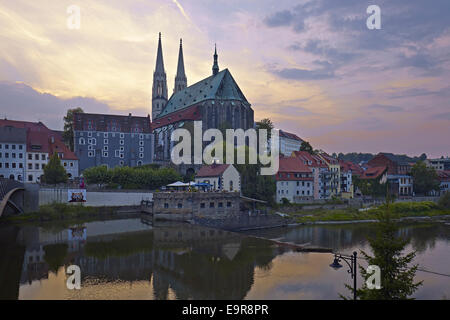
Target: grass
[399, 210]
[62, 211]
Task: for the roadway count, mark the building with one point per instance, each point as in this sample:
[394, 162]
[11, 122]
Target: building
[112, 140]
[222, 177]
[376, 173]
[442, 163]
[13, 143]
[216, 101]
[335, 169]
[289, 142]
[401, 185]
[321, 173]
[294, 181]
[390, 161]
[41, 144]
[444, 180]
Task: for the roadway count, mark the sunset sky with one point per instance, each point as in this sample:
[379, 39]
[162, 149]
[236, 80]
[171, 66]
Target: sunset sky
[312, 66]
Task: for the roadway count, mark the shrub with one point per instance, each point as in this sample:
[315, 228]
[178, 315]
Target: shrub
[444, 201]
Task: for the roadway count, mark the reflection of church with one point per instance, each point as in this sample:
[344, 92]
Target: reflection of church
[217, 101]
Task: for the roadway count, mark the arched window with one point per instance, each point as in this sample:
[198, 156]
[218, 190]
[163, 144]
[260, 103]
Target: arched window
[231, 185]
[11, 177]
[82, 141]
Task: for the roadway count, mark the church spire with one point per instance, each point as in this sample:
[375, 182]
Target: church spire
[180, 77]
[159, 90]
[215, 68]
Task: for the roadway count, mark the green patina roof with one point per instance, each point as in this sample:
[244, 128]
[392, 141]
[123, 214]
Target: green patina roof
[220, 87]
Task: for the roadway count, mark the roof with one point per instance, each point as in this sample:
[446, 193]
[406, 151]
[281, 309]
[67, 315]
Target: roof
[216, 87]
[57, 146]
[107, 122]
[37, 141]
[329, 158]
[289, 135]
[393, 158]
[311, 160]
[213, 170]
[443, 175]
[292, 164]
[191, 113]
[373, 172]
[348, 165]
[35, 126]
[13, 135]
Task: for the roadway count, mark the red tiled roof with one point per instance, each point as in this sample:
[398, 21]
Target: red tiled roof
[190, 113]
[373, 172]
[348, 165]
[329, 158]
[59, 147]
[37, 141]
[291, 166]
[310, 160]
[106, 123]
[213, 170]
[443, 175]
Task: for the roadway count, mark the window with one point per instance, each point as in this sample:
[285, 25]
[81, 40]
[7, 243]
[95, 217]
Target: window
[211, 204]
[202, 205]
[91, 154]
[121, 155]
[43, 157]
[1, 165]
[105, 154]
[71, 164]
[122, 149]
[166, 205]
[36, 157]
[13, 147]
[30, 166]
[65, 164]
[105, 135]
[42, 166]
[117, 153]
[141, 143]
[90, 147]
[20, 166]
[229, 204]
[231, 185]
[89, 134]
[105, 148]
[6, 146]
[141, 136]
[30, 156]
[30, 177]
[81, 141]
[105, 141]
[141, 155]
[20, 155]
[36, 166]
[141, 149]
[6, 155]
[180, 205]
[13, 165]
[220, 204]
[139, 163]
[7, 165]
[122, 136]
[121, 162]
[121, 142]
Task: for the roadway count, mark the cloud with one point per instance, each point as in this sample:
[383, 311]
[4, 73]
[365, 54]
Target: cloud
[285, 18]
[383, 107]
[19, 101]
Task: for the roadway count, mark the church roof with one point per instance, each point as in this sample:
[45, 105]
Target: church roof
[216, 87]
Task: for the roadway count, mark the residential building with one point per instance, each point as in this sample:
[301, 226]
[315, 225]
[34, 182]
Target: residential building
[389, 160]
[348, 171]
[288, 143]
[12, 152]
[294, 180]
[335, 169]
[112, 140]
[41, 144]
[321, 173]
[222, 177]
[442, 163]
[444, 180]
[376, 173]
[401, 185]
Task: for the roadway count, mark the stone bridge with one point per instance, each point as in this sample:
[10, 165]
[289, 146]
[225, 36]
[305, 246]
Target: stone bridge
[11, 196]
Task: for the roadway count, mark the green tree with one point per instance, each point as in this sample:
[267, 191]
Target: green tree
[68, 127]
[306, 146]
[397, 274]
[54, 172]
[267, 124]
[425, 178]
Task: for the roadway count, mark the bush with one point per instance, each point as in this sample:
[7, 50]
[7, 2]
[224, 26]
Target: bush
[145, 177]
[444, 201]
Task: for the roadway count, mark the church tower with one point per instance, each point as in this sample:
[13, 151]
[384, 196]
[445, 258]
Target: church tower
[159, 92]
[180, 78]
[215, 68]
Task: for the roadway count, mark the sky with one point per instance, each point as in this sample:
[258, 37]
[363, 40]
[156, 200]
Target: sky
[311, 66]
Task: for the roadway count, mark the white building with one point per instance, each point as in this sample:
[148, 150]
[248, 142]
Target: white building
[294, 181]
[223, 177]
[439, 164]
[288, 143]
[12, 153]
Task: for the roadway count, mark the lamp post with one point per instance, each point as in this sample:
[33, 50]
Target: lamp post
[351, 262]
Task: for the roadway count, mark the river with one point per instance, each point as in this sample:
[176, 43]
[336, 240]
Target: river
[131, 259]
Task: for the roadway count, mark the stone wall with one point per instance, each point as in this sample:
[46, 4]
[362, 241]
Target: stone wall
[209, 204]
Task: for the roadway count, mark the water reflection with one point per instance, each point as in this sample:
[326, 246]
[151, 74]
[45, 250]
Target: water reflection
[129, 259]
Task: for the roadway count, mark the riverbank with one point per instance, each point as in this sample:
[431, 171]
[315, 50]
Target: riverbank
[71, 213]
[403, 210]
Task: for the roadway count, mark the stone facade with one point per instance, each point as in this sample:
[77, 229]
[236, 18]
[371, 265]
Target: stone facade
[195, 204]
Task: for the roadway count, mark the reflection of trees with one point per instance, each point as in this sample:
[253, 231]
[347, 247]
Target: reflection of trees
[122, 245]
[55, 255]
[11, 259]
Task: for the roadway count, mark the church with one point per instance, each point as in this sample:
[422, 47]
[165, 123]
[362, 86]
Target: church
[217, 101]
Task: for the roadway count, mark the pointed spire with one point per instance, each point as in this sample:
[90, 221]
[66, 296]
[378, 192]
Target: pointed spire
[215, 68]
[159, 58]
[180, 77]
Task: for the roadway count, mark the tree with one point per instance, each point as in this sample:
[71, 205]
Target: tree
[54, 172]
[425, 178]
[306, 147]
[397, 276]
[267, 124]
[68, 127]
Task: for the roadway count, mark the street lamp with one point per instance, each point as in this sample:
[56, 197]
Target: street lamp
[351, 262]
